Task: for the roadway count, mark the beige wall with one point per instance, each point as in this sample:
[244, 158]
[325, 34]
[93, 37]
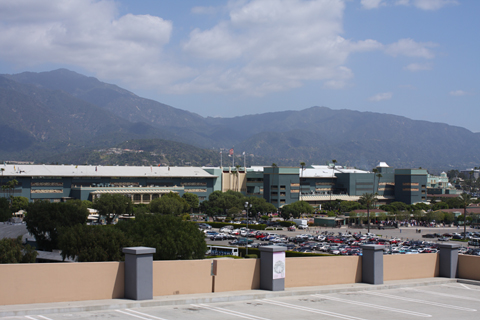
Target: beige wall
[410, 266]
[58, 282]
[236, 274]
[181, 277]
[233, 181]
[468, 267]
[318, 271]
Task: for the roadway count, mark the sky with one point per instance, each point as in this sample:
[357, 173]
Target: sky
[219, 58]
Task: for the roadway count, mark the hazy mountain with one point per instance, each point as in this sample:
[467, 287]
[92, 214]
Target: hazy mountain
[68, 110]
[36, 121]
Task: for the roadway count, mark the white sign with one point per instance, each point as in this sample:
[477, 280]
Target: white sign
[278, 265]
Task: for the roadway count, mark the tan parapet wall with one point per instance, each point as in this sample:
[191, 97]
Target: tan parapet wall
[319, 271]
[234, 275]
[59, 282]
[181, 277]
[410, 266]
[468, 267]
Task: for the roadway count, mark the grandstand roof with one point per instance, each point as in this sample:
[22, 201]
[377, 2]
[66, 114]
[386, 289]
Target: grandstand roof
[102, 171]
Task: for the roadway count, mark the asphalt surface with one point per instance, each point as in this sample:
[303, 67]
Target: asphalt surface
[404, 233]
[449, 300]
[9, 230]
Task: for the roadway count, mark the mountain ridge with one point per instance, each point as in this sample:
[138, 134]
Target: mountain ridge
[314, 135]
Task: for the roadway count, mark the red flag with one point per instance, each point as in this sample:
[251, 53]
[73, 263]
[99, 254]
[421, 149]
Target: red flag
[231, 151]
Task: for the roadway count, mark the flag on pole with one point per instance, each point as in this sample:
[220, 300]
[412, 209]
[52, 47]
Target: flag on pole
[243, 152]
[231, 152]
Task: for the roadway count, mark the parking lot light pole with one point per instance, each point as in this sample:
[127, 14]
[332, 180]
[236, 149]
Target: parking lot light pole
[246, 208]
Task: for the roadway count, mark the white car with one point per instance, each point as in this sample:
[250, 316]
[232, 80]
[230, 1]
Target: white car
[302, 226]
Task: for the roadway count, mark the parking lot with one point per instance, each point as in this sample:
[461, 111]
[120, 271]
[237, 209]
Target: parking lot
[341, 241]
[446, 301]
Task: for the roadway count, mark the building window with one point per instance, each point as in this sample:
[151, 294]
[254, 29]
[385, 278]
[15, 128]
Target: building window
[155, 196]
[146, 197]
[137, 197]
[282, 194]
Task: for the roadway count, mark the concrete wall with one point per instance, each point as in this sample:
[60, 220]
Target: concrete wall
[468, 267]
[410, 266]
[58, 282]
[234, 275]
[318, 271]
[181, 277]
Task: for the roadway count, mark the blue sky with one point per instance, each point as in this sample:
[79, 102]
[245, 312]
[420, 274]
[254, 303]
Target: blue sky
[415, 58]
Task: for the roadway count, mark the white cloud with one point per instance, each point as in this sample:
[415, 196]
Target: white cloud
[418, 67]
[458, 93]
[427, 4]
[410, 48]
[381, 96]
[371, 4]
[263, 46]
[88, 34]
[274, 45]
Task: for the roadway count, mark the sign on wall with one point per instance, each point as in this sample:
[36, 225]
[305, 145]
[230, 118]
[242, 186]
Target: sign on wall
[278, 265]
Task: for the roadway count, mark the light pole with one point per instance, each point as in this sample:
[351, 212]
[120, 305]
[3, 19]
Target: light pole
[246, 208]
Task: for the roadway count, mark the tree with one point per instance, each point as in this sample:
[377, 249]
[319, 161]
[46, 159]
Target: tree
[368, 199]
[465, 200]
[5, 212]
[19, 203]
[170, 203]
[435, 216]
[259, 206]
[400, 206]
[10, 187]
[13, 251]
[93, 243]
[172, 238]
[439, 205]
[421, 206]
[191, 199]
[45, 218]
[448, 217]
[111, 206]
[296, 209]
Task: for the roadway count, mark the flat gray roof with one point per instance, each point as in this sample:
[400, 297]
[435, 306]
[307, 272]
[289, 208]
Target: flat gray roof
[102, 171]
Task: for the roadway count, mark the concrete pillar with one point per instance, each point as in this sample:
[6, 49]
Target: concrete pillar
[272, 268]
[139, 273]
[372, 264]
[448, 260]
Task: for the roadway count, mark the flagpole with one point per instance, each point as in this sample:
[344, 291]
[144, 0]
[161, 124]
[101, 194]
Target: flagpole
[221, 165]
[244, 163]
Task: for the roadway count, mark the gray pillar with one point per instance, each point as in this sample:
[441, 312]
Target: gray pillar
[448, 260]
[372, 264]
[272, 268]
[139, 273]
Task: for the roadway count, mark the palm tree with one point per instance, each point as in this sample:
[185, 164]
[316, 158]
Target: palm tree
[368, 199]
[302, 164]
[465, 200]
[237, 167]
[375, 171]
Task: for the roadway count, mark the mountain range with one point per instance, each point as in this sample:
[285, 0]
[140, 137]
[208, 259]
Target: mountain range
[65, 116]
